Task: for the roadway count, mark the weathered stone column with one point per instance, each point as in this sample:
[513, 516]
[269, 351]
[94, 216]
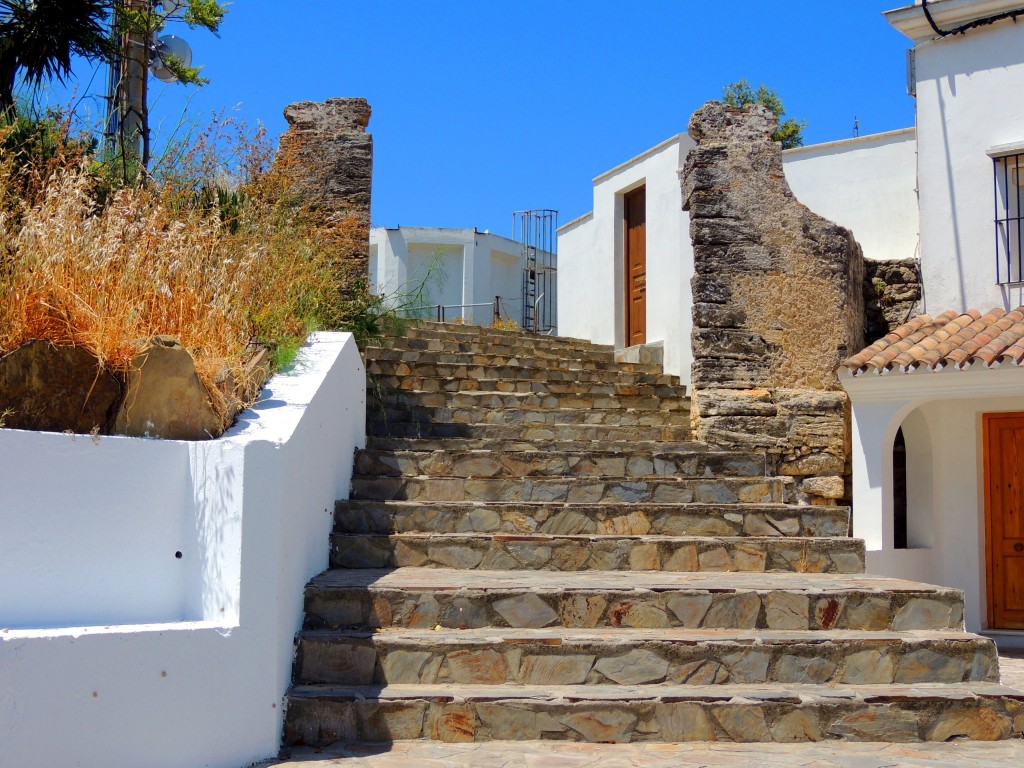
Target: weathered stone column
[327, 156]
[777, 303]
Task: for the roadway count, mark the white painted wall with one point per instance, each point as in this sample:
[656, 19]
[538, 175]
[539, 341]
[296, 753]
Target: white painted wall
[941, 417]
[867, 184]
[115, 652]
[967, 103]
[469, 267]
[591, 266]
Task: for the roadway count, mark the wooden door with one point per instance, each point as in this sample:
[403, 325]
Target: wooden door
[635, 204]
[1004, 518]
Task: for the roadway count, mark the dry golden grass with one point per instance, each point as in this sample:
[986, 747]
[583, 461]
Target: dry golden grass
[160, 260]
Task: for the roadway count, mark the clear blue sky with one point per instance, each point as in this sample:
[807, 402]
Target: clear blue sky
[482, 108]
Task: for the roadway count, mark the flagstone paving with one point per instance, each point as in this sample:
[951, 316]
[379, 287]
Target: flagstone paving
[547, 754]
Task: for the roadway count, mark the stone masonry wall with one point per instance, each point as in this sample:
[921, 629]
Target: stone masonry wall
[778, 304]
[892, 295]
[327, 156]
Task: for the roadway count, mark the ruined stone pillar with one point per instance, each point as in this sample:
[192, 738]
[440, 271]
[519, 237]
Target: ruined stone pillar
[327, 157]
[777, 303]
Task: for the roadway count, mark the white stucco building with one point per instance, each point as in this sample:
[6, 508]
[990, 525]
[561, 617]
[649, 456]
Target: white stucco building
[954, 394]
[868, 184]
[948, 191]
[464, 274]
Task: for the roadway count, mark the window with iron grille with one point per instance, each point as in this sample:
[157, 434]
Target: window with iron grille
[1009, 195]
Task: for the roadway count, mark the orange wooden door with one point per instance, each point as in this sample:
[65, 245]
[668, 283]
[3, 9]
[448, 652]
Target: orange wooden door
[635, 204]
[1004, 518]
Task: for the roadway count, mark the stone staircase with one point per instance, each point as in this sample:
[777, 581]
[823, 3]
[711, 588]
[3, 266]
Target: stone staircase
[535, 550]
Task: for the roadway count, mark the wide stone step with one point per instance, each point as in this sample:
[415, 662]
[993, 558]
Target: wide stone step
[519, 400]
[391, 385]
[463, 444]
[575, 463]
[598, 553]
[642, 657]
[398, 424]
[508, 357]
[385, 372]
[456, 598]
[322, 715]
[579, 490]
[362, 516]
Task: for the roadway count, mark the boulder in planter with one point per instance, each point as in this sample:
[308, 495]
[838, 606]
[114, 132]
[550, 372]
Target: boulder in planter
[57, 389]
[164, 397]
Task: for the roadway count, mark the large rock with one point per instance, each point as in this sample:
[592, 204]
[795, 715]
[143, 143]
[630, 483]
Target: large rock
[165, 398]
[57, 389]
[778, 297]
[327, 157]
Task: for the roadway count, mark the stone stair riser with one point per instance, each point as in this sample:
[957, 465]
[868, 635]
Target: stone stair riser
[380, 660]
[477, 400]
[450, 335]
[401, 427]
[572, 490]
[396, 374]
[504, 348]
[318, 722]
[607, 519]
[602, 448]
[390, 385]
[372, 355]
[603, 554]
[536, 417]
[556, 464]
[838, 608]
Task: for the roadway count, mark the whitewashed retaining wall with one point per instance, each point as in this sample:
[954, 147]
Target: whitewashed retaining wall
[116, 652]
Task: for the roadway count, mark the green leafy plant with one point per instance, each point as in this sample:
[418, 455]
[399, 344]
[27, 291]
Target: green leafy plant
[790, 131]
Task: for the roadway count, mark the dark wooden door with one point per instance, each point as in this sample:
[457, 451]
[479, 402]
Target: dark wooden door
[635, 204]
[1004, 518]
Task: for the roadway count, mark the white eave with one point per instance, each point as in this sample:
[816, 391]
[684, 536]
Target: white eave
[948, 14]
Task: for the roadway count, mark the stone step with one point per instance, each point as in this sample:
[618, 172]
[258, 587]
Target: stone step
[597, 553]
[552, 348]
[520, 400]
[524, 414]
[322, 715]
[705, 463]
[379, 386]
[460, 444]
[578, 490]
[454, 598]
[641, 657]
[383, 370]
[431, 330]
[391, 423]
[360, 516]
[509, 357]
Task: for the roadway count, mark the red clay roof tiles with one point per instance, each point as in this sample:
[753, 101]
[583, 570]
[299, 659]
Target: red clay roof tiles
[947, 340]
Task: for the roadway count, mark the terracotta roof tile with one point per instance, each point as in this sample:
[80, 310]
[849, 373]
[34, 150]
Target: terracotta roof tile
[950, 339]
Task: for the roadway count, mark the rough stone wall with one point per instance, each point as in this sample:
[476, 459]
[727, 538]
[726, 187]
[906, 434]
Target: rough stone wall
[892, 295]
[327, 157]
[778, 303]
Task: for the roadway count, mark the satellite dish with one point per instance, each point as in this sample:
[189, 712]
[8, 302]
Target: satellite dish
[169, 45]
[172, 6]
